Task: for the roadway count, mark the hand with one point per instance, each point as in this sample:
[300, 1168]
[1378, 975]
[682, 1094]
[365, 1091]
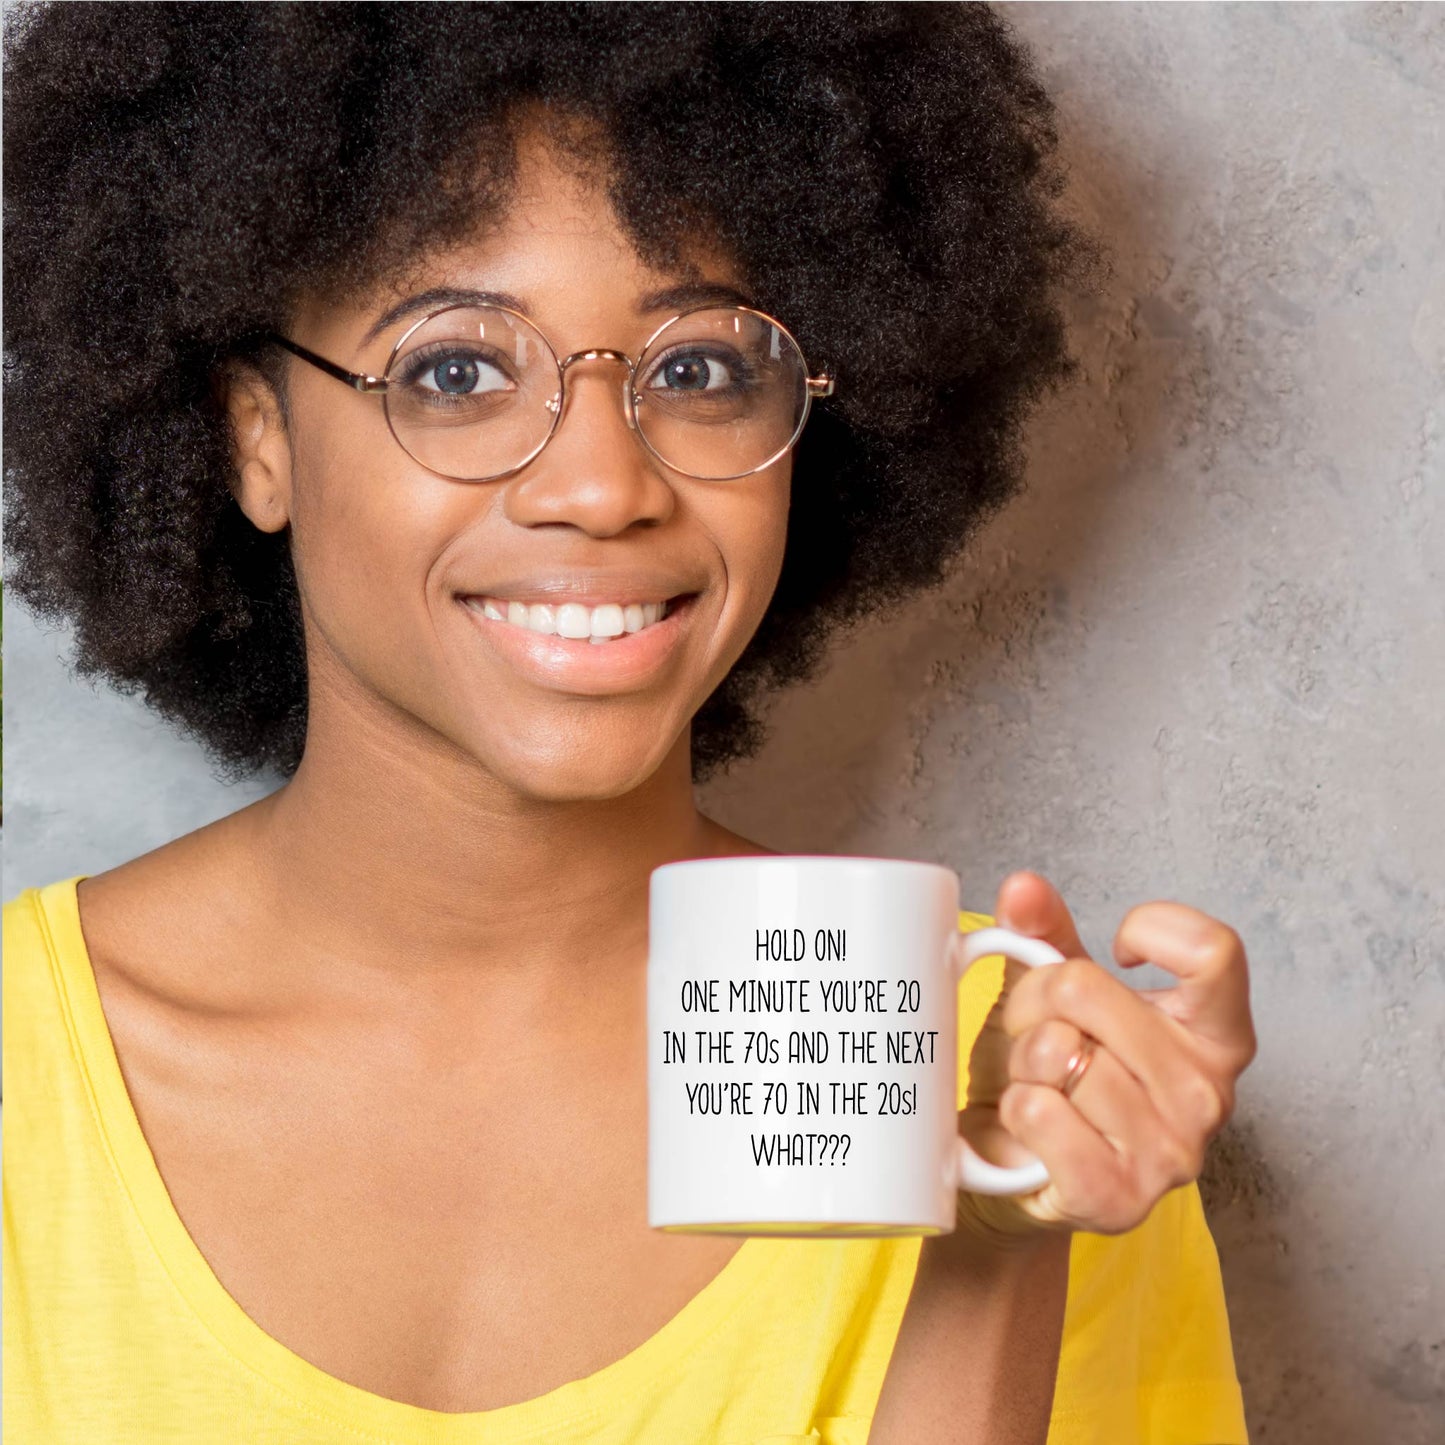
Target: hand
[1161, 1082]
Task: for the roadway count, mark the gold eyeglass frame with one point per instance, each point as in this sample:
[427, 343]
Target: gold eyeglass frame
[820, 385]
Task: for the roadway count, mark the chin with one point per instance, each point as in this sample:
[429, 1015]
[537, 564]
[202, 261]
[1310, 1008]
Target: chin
[576, 772]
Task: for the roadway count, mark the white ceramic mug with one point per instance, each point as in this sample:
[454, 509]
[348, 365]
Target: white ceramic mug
[802, 1023]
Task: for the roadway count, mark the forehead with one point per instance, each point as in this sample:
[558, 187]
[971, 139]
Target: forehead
[560, 232]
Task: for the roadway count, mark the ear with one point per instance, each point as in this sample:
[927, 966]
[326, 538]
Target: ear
[260, 477]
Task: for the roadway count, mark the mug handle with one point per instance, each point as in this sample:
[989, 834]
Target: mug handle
[974, 1172]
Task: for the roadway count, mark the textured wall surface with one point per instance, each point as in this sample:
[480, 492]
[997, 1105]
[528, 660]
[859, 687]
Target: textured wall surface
[1203, 657]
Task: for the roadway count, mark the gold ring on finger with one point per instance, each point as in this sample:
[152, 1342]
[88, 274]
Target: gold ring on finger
[1079, 1063]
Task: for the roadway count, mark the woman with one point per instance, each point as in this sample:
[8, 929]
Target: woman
[702, 329]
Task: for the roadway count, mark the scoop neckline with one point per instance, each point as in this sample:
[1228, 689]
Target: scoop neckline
[306, 1386]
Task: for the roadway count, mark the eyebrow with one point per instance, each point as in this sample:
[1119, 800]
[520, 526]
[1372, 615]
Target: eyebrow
[669, 298]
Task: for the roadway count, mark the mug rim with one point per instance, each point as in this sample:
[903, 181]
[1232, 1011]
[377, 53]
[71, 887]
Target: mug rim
[842, 861]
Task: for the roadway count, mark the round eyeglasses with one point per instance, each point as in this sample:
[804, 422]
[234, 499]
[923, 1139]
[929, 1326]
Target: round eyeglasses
[474, 392]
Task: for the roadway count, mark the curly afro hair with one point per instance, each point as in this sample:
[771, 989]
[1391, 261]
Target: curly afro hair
[884, 175]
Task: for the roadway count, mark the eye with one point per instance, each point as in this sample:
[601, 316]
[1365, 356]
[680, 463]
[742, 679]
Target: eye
[692, 371]
[453, 372]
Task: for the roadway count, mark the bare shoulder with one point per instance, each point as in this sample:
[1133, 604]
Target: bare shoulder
[149, 923]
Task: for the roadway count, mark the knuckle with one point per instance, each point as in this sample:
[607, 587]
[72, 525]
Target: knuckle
[1204, 1105]
[1249, 1050]
[1027, 1060]
[1041, 1049]
[1022, 1001]
[1032, 1107]
[1178, 1163]
[1072, 983]
[1224, 1112]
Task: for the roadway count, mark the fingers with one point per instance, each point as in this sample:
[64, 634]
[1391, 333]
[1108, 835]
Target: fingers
[1208, 959]
[1029, 904]
[1161, 1080]
[1191, 1095]
[1092, 1184]
[1204, 954]
[1116, 1156]
[1107, 1096]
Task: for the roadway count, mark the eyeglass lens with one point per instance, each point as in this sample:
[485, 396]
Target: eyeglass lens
[474, 390]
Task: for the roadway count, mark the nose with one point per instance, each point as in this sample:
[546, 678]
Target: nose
[594, 473]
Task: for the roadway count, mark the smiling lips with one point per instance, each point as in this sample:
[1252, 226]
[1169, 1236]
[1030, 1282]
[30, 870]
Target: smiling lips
[574, 620]
[567, 657]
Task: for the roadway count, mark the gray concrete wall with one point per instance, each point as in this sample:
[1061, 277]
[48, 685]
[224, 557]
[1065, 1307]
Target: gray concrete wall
[1201, 658]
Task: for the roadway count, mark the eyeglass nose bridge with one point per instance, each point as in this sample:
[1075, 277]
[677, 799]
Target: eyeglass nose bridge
[596, 353]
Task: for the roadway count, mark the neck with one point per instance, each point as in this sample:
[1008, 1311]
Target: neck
[421, 865]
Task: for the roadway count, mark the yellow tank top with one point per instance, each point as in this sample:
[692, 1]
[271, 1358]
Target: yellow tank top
[116, 1329]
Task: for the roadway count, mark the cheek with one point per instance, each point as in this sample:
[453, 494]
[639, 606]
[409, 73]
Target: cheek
[749, 527]
[366, 534]
[756, 536]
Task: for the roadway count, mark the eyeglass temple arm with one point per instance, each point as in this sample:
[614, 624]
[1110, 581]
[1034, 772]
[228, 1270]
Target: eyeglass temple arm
[820, 385]
[356, 379]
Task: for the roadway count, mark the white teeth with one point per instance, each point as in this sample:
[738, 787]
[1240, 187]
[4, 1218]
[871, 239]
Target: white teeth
[607, 620]
[573, 619]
